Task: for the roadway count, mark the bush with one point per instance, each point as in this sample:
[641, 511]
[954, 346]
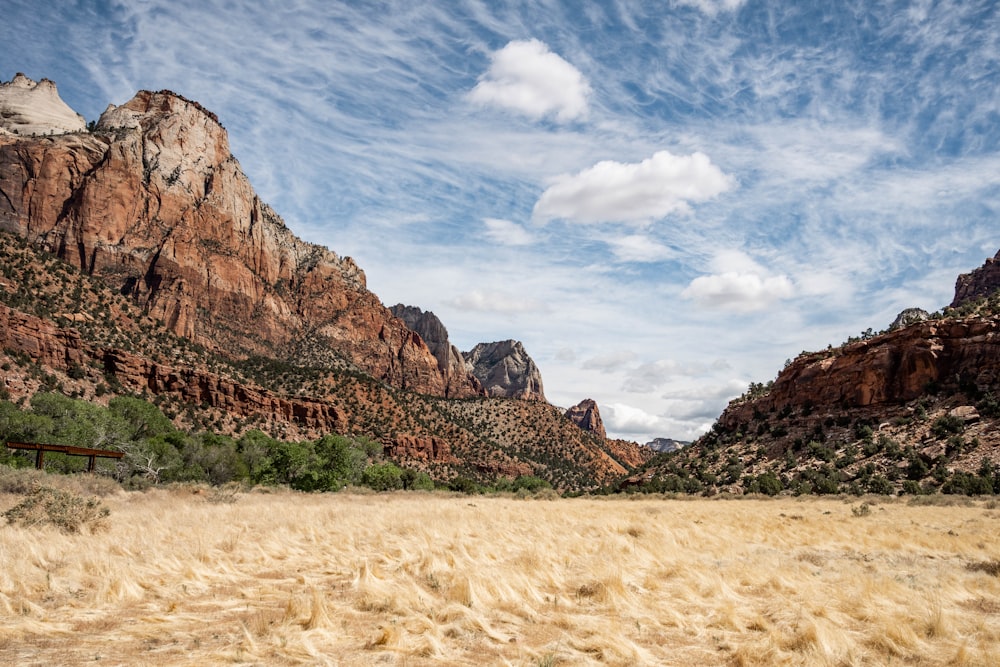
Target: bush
[67, 511]
[383, 477]
[947, 425]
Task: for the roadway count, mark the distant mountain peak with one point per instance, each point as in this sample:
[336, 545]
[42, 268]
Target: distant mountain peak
[34, 108]
[505, 369]
[587, 416]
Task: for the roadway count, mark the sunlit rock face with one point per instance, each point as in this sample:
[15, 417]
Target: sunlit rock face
[28, 108]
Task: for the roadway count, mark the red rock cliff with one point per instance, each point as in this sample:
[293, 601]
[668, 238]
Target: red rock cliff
[155, 203]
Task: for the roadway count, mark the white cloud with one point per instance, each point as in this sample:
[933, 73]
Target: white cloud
[645, 191]
[528, 78]
[739, 284]
[640, 248]
[496, 302]
[742, 292]
[628, 419]
[651, 375]
[712, 7]
[609, 361]
[506, 232]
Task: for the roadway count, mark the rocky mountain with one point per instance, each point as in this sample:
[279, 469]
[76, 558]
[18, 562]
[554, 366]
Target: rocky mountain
[587, 416]
[155, 204]
[914, 409]
[909, 316]
[978, 284]
[136, 259]
[504, 369]
[664, 445]
[458, 377]
[28, 108]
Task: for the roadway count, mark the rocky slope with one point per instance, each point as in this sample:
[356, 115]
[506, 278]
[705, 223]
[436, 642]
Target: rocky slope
[978, 284]
[504, 368]
[914, 408]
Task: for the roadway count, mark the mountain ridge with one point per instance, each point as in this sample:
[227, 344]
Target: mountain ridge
[913, 409]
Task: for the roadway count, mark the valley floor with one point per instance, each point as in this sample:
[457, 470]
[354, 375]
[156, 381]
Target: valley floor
[415, 579]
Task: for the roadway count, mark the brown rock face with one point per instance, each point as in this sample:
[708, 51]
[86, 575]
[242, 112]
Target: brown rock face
[420, 448]
[59, 348]
[887, 370]
[155, 204]
[980, 283]
[588, 417]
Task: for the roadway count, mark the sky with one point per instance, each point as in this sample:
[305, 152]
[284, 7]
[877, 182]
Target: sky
[663, 200]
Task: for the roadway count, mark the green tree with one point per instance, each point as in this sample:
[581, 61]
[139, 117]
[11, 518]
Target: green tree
[383, 477]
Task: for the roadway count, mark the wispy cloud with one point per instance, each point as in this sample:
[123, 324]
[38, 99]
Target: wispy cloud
[506, 232]
[640, 248]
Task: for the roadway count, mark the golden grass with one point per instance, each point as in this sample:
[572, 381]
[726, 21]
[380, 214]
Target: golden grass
[428, 579]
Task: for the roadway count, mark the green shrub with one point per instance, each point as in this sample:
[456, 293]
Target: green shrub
[67, 511]
[383, 477]
[946, 425]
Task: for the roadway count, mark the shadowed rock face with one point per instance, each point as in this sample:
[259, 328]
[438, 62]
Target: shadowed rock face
[505, 369]
[155, 203]
[979, 283]
[459, 380]
[587, 416]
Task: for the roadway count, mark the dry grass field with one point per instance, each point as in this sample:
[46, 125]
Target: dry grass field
[429, 579]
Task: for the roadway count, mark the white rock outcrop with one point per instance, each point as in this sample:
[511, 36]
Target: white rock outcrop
[28, 108]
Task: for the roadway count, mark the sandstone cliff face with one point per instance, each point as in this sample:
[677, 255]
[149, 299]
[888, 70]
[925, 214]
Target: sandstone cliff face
[155, 204]
[587, 416]
[886, 370]
[982, 282]
[505, 369]
[459, 381]
[60, 348]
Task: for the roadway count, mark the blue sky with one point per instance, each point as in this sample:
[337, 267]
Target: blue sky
[663, 200]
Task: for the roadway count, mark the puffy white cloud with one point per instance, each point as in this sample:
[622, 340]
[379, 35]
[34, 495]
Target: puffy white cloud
[528, 78]
[742, 292]
[628, 419]
[640, 248]
[739, 284]
[645, 191]
[506, 232]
